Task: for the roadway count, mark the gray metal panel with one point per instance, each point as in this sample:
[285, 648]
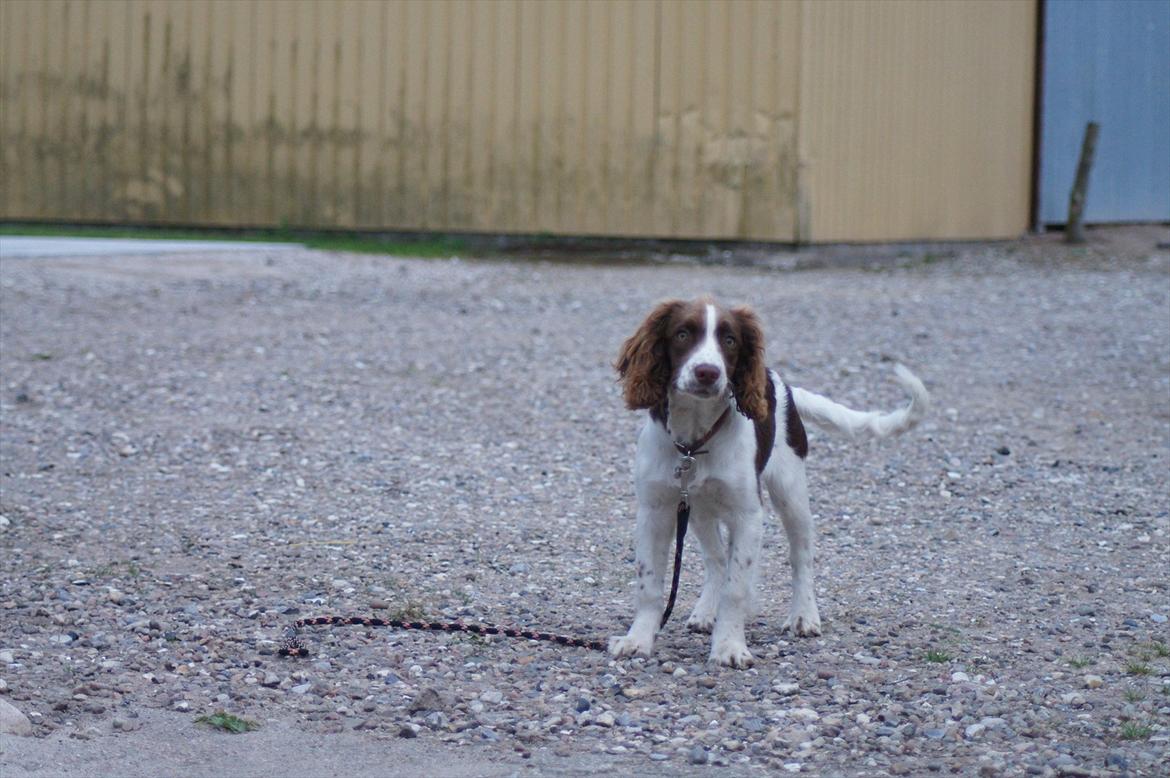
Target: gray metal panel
[1107, 61]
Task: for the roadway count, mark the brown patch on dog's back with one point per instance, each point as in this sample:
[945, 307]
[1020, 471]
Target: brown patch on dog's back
[766, 430]
[796, 437]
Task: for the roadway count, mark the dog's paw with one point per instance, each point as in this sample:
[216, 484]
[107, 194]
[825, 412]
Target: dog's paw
[631, 645]
[732, 653]
[701, 620]
[805, 622]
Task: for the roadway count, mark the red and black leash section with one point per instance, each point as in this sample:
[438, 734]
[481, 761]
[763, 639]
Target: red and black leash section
[294, 647]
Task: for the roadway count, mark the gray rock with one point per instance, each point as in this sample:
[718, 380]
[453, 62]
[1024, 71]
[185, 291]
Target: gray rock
[697, 755]
[427, 700]
[13, 722]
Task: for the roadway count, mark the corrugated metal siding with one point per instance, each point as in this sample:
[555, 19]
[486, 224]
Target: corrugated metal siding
[676, 118]
[915, 119]
[1107, 61]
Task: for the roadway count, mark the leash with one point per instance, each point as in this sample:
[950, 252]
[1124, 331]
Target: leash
[294, 646]
[684, 471]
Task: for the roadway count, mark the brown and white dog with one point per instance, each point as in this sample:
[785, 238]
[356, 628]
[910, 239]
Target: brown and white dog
[689, 363]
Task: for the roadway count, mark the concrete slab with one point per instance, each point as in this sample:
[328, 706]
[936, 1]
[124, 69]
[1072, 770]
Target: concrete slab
[12, 247]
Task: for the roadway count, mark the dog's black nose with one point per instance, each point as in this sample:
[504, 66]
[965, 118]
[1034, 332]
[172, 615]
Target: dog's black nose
[706, 374]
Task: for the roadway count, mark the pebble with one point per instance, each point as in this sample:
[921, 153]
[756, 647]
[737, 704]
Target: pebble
[697, 755]
[7, 657]
[604, 719]
[409, 730]
[122, 724]
[802, 714]
[1093, 681]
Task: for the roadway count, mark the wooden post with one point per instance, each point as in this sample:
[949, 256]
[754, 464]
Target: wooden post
[1074, 231]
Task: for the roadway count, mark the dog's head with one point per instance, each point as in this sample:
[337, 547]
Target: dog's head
[699, 349]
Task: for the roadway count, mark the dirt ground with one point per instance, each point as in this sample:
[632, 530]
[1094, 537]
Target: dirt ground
[197, 449]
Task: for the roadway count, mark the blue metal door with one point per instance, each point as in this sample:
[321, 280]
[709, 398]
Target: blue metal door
[1107, 61]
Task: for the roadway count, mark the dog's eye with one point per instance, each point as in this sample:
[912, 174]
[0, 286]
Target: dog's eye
[729, 341]
[682, 336]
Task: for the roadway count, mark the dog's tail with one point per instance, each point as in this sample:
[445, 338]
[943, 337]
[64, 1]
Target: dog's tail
[835, 417]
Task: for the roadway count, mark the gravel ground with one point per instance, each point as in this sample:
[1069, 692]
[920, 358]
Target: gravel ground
[198, 449]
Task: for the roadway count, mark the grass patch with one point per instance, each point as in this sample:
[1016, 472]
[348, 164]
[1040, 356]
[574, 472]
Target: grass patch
[411, 611]
[440, 247]
[1080, 662]
[1131, 730]
[938, 657]
[228, 722]
[1138, 668]
[1160, 649]
[428, 247]
[471, 638]
[117, 569]
[1133, 695]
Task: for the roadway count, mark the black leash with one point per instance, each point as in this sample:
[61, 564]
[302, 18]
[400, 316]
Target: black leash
[293, 646]
[680, 533]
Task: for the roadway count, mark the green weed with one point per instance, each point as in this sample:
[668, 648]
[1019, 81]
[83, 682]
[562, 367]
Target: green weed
[228, 722]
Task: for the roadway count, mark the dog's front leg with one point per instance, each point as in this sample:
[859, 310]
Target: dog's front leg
[702, 618]
[652, 535]
[728, 645]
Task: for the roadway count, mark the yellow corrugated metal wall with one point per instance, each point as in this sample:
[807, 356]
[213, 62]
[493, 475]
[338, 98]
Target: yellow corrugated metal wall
[800, 119]
[916, 118]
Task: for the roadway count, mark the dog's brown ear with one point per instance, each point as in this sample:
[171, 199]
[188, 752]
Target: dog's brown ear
[644, 364]
[750, 380]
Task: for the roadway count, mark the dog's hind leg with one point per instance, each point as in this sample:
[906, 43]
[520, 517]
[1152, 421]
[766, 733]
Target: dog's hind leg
[788, 488]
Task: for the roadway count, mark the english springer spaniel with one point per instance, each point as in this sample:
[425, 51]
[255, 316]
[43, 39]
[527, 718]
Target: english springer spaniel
[700, 371]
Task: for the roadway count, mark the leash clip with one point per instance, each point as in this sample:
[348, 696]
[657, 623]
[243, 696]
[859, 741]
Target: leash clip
[683, 472]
